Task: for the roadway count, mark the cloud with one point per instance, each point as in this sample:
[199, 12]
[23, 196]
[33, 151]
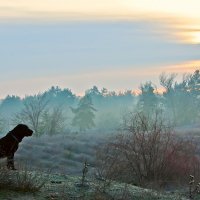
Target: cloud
[85, 45]
[61, 9]
[182, 13]
[101, 8]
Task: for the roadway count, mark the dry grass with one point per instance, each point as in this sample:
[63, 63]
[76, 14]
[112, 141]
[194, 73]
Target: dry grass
[20, 180]
[60, 153]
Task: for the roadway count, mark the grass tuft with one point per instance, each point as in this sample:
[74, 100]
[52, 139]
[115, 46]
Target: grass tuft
[20, 181]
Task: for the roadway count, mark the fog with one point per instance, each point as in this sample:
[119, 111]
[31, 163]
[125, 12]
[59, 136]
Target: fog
[103, 109]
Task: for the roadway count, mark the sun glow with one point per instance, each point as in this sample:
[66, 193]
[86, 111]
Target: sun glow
[195, 37]
[190, 37]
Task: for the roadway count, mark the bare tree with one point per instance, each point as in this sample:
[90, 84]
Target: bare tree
[146, 152]
[167, 81]
[31, 114]
[53, 121]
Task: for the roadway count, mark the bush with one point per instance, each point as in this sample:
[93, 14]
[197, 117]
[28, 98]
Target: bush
[147, 152]
[22, 181]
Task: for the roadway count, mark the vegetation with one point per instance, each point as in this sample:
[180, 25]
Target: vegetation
[178, 96]
[148, 100]
[151, 150]
[53, 121]
[20, 181]
[148, 153]
[84, 114]
[31, 114]
[79, 113]
[58, 186]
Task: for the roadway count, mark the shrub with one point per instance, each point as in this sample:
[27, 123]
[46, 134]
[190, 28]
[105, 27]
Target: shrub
[147, 152]
[22, 181]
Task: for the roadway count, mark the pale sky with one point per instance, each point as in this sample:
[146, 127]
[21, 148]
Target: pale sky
[109, 43]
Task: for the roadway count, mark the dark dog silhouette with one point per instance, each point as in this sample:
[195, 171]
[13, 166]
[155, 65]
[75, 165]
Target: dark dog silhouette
[9, 143]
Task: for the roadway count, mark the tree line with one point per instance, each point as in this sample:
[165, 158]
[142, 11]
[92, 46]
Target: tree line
[57, 110]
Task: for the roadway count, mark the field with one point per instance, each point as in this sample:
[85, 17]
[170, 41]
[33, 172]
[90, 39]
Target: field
[58, 161]
[64, 153]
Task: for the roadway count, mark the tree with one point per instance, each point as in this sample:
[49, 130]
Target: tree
[169, 101]
[193, 83]
[167, 81]
[31, 114]
[10, 105]
[104, 92]
[147, 99]
[181, 100]
[60, 97]
[53, 121]
[2, 125]
[95, 95]
[84, 114]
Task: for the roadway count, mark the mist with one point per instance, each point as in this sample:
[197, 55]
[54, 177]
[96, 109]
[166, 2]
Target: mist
[109, 106]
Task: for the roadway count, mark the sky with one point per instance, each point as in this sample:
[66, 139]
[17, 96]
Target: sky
[117, 44]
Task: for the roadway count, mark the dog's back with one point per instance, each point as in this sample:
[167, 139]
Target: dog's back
[7, 145]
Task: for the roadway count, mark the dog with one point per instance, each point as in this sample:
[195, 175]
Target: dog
[9, 143]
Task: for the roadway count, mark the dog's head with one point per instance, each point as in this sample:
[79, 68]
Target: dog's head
[23, 130]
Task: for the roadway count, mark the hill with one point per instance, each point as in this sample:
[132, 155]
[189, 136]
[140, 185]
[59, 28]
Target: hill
[64, 187]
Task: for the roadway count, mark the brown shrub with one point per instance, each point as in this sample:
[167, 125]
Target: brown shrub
[147, 151]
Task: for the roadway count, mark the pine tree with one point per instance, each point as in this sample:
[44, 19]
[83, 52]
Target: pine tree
[147, 99]
[84, 114]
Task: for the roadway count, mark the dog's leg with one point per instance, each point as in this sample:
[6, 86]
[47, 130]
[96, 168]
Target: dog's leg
[10, 162]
